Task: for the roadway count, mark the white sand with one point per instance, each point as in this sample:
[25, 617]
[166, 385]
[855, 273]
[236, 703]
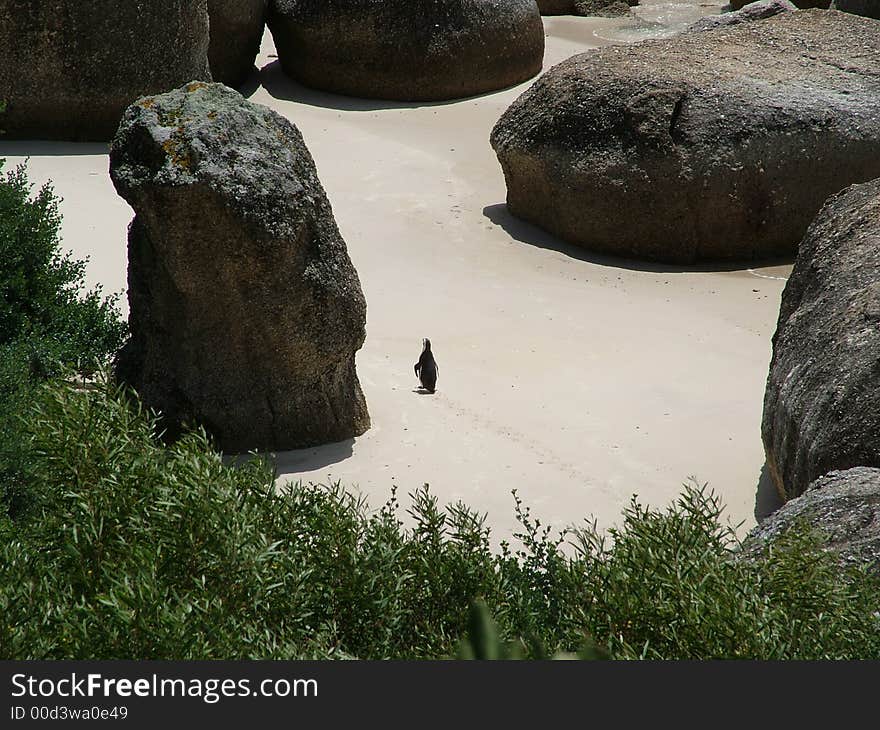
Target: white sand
[575, 379]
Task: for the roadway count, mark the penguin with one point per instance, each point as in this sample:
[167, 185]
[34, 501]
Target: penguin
[426, 368]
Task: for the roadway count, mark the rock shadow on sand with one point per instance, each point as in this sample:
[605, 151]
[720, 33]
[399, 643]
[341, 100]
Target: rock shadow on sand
[525, 232]
[312, 458]
[250, 85]
[50, 148]
[282, 87]
[767, 499]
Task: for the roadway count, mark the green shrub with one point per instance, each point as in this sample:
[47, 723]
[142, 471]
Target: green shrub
[141, 550]
[147, 551]
[48, 325]
[669, 586]
[41, 289]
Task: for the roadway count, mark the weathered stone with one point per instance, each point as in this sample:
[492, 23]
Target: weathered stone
[601, 8]
[236, 31]
[802, 4]
[415, 50]
[843, 507]
[868, 8]
[724, 150]
[245, 310]
[822, 403]
[753, 11]
[69, 68]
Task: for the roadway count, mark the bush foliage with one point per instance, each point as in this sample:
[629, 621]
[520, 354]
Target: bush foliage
[48, 325]
[41, 289]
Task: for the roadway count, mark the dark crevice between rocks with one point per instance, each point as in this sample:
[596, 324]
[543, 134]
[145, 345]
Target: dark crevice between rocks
[767, 497]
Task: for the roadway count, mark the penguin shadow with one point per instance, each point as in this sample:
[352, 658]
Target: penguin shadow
[524, 232]
[767, 499]
[423, 391]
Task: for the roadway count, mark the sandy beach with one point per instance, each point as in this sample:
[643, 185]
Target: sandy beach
[575, 379]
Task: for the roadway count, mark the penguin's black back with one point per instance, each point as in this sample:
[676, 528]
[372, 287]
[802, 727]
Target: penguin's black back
[426, 368]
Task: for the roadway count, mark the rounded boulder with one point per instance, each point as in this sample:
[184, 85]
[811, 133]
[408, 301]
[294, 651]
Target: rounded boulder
[69, 68]
[722, 144]
[408, 50]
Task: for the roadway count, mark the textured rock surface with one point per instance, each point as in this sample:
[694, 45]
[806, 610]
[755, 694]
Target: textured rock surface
[753, 11]
[725, 150]
[868, 8]
[803, 4]
[602, 8]
[843, 505]
[245, 309]
[236, 31]
[69, 68]
[417, 50]
[822, 403]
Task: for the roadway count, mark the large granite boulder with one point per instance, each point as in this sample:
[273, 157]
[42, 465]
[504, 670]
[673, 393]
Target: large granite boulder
[245, 310]
[602, 8]
[843, 507]
[236, 31]
[822, 403]
[868, 8]
[69, 68]
[759, 10]
[414, 50]
[724, 150]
